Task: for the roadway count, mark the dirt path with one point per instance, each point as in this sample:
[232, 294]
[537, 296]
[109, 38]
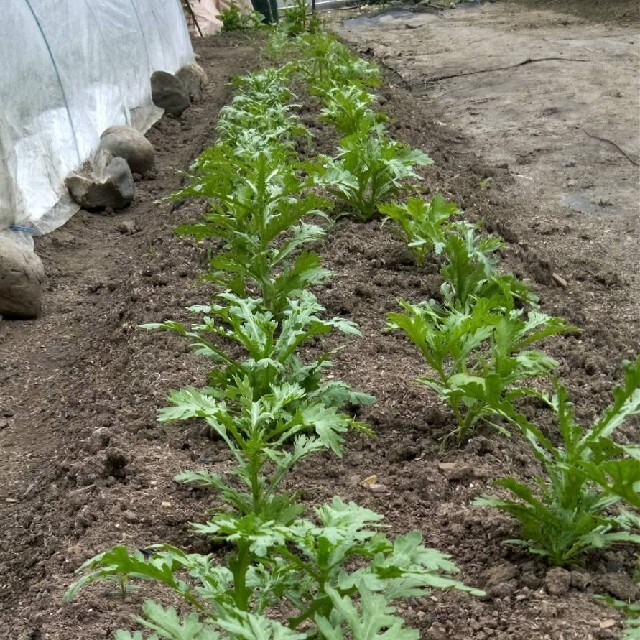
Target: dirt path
[554, 100]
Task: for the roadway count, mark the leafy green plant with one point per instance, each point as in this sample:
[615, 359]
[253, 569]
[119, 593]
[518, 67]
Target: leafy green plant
[263, 111]
[326, 63]
[258, 433]
[423, 224]
[279, 45]
[296, 18]
[234, 20]
[269, 85]
[245, 340]
[566, 515]
[347, 108]
[470, 270]
[258, 211]
[335, 575]
[167, 623]
[479, 357]
[369, 168]
[270, 124]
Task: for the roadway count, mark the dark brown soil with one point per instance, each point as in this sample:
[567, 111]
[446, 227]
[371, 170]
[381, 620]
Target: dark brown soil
[85, 466]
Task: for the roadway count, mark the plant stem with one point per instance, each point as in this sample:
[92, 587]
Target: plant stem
[239, 566]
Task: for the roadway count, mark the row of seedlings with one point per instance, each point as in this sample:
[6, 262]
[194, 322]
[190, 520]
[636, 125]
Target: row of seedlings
[480, 339]
[285, 575]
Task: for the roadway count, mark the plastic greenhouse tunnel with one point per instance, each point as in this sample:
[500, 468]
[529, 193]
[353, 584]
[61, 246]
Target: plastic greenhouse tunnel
[71, 69]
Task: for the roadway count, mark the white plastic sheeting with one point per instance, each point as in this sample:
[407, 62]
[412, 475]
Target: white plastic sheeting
[70, 69]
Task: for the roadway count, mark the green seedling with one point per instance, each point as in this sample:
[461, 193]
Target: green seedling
[480, 358]
[326, 63]
[270, 124]
[423, 224]
[347, 108]
[470, 270]
[336, 576]
[298, 20]
[565, 515]
[258, 211]
[245, 340]
[369, 169]
[267, 438]
[272, 83]
[234, 20]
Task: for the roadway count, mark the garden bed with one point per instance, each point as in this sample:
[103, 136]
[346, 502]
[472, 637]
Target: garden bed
[87, 466]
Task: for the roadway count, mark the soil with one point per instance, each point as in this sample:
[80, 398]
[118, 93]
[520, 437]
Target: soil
[617, 11]
[85, 466]
[551, 101]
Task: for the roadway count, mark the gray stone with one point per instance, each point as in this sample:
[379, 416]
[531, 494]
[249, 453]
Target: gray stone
[21, 278]
[127, 227]
[99, 439]
[531, 580]
[109, 187]
[500, 573]
[580, 579]
[130, 517]
[456, 471]
[168, 93]
[130, 144]
[194, 79]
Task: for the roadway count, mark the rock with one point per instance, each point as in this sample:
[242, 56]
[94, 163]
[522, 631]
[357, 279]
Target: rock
[85, 517]
[557, 581]
[112, 188]
[580, 579]
[130, 517]
[99, 439]
[168, 93]
[127, 227]
[531, 580]
[21, 278]
[402, 452]
[559, 280]
[500, 580]
[130, 144]
[456, 471]
[194, 79]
